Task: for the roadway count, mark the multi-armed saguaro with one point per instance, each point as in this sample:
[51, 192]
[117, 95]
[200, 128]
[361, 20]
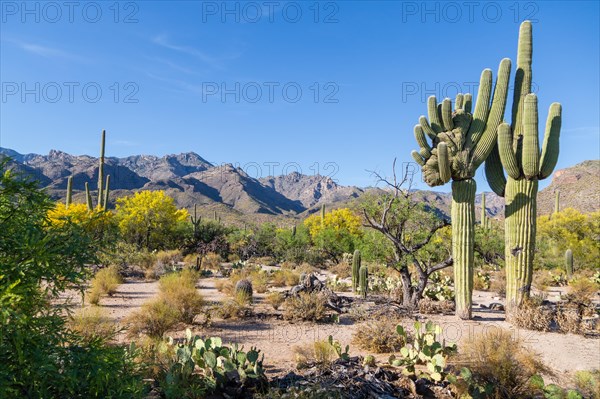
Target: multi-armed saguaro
[518, 153]
[460, 143]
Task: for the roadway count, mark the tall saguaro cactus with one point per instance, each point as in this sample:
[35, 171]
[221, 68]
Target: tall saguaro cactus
[69, 192]
[101, 169]
[460, 143]
[518, 153]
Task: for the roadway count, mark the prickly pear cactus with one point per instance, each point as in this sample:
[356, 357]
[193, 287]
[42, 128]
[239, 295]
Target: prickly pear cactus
[453, 144]
[518, 154]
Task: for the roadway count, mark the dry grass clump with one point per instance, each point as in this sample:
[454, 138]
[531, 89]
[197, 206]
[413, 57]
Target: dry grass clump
[588, 383]
[378, 336]
[532, 315]
[169, 258]
[178, 301]
[305, 268]
[582, 291]
[305, 306]
[178, 290]
[498, 283]
[92, 322]
[154, 319]
[284, 277]
[237, 307]
[105, 282]
[211, 261]
[341, 270]
[275, 299]
[568, 318]
[259, 280]
[320, 353]
[500, 361]
[429, 306]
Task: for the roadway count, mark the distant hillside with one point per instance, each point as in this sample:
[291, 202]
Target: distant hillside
[237, 197]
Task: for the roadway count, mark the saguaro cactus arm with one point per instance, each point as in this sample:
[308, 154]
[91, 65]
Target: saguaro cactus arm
[550, 146]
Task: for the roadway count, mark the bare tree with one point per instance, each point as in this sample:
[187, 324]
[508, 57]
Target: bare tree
[409, 227]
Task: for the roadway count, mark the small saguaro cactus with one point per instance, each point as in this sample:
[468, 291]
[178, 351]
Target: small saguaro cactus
[106, 192]
[244, 287]
[484, 219]
[355, 269]
[518, 153]
[460, 143]
[556, 201]
[364, 280]
[101, 169]
[294, 231]
[196, 221]
[322, 213]
[88, 197]
[569, 263]
[69, 192]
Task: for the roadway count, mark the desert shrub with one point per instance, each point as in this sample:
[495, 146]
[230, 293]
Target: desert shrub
[92, 322]
[211, 261]
[429, 306]
[305, 268]
[582, 291]
[287, 265]
[439, 287]
[178, 290]
[237, 307]
[190, 260]
[378, 336]
[263, 260]
[532, 315]
[153, 319]
[319, 352]
[284, 277]
[275, 299]
[305, 306]
[498, 283]
[501, 363]
[224, 285]
[482, 281]
[588, 383]
[341, 270]
[169, 257]
[260, 280]
[568, 318]
[105, 282]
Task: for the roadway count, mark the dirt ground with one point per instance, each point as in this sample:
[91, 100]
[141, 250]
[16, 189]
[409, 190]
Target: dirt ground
[275, 337]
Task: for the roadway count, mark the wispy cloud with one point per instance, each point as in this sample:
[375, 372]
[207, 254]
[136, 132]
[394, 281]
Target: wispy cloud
[582, 131]
[213, 61]
[44, 50]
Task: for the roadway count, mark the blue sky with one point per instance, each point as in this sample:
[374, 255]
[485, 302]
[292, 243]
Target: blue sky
[334, 87]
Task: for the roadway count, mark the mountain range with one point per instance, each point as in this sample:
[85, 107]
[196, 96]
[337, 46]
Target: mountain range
[192, 180]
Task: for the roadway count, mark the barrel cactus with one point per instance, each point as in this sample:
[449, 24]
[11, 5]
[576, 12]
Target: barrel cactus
[355, 269]
[363, 280]
[244, 287]
[569, 263]
[518, 153]
[460, 143]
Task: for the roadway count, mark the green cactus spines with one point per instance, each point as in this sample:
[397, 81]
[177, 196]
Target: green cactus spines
[463, 239]
[363, 280]
[101, 169]
[106, 193]
[88, 197]
[69, 192]
[444, 162]
[550, 147]
[519, 156]
[569, 263]
[531, 145]
[356, 261]
[460, 142]
[484, 221]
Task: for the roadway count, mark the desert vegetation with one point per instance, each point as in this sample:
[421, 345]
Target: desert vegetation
[149, 300]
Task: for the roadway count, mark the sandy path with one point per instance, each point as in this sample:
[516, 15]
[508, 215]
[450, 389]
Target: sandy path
[276, 338]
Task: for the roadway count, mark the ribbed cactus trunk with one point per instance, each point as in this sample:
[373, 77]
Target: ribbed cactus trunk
[569, 263]
[364, 280]
[557, 201]
[463, 239]
[101, 170]
[69, 192]
[356, 261]
[88, 197]
[520, 225]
